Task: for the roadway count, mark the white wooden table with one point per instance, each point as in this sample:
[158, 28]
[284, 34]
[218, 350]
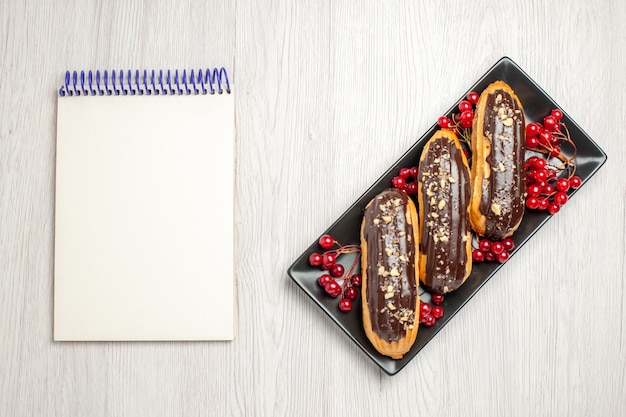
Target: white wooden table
[546, 336]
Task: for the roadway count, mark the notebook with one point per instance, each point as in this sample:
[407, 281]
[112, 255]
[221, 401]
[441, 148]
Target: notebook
[144, 210]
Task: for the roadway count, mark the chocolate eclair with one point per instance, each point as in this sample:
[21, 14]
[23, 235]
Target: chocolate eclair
[389, 271]
[497, 175]
[443, 195]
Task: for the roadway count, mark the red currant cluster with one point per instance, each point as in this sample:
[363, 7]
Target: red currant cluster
[406, 180]
[336, 271]
[428, 313]
[493, 250]
[545, 190]
[461, 122]
[547, 136]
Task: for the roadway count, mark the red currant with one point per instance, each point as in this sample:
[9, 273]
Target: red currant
[556, 151]
[533, 190]
[473, 97]
[532, 142]
[549, 122]
[532, 202]
[465, 106]
[540, 174]
[575, 182]
[543, 203]
[467, 116]
[551, 174]
[530, 162]
[465, 123]
[444, 122]
[555, 140]
[497, 248]
[548, 189]
[414, 171]
[539, 163]
[424, 308]
[356, 280]
[398, 182]
[333, 289]
[326, 241]
[562, 184]
[557, 114]
[345, 305]
[508, 244]
[337, 270]
[489, 256]
[411, 187]
[328, 260]
[437, 312]
[560, 198]
[324, 280]
[545, 137]
[429, 320]
[503, 257]
[485, 245]
[478, 255]
[437, 298]
[351, 293]
[533, 129]
[553, 208]
[315, 259]
[404, 173]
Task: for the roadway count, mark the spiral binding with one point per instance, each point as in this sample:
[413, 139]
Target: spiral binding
[116, 83]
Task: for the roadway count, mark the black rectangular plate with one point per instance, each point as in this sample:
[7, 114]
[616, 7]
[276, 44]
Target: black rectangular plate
[346, 229]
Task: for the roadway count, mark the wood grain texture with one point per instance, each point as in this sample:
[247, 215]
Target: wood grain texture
[329, 94]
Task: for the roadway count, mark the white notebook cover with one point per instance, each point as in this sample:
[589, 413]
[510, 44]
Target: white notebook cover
[144, 228]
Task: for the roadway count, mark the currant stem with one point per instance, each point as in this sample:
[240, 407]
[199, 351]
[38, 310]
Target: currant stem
[347, 275]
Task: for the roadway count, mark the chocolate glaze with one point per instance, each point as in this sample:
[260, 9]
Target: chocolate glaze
[391, 291]
[445, 198]
[502, 200]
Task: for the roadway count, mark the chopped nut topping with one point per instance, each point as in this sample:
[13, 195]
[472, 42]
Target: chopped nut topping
[451, 179]
[390, 306]
[394, 272]
[376, 221]
[507, 122]
[441, 204]
[389, 288]
[444, 238]
[388, 295]
[381, 270]
[501, 166]
[401, 233]
[388, 251]
[495, 207]
[387, 219]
